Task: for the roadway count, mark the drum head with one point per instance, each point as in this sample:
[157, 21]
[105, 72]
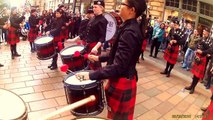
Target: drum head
[43, 40]
[71, 50]
[12, 106]
[72, 80]
[111, 26]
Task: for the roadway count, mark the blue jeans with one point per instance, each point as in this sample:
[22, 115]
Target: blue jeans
[188, 58]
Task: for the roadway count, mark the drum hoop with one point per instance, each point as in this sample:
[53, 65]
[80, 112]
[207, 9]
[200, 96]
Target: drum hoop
[25, 106]
[115, 23]
[44, 43]
[79, 87]
[68, 48]
[46, 58]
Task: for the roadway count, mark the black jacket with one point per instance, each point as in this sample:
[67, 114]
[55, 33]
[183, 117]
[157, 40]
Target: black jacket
[56, 27]
[123, 55]
[96, 29]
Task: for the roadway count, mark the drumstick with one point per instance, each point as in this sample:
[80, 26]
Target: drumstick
[69, 107]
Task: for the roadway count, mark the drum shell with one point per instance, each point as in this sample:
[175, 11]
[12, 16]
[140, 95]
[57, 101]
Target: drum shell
[75, 93]
[45, 51]
[74, 63]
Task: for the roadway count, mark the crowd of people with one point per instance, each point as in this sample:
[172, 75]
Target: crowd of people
[130, 42]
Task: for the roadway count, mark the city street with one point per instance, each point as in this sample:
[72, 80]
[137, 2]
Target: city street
[158, 97]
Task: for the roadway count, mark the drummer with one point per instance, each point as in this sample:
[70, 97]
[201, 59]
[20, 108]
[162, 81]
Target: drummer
[95, 33]
[82, 29]
[34, 24]
[55, 32]
[120, 69]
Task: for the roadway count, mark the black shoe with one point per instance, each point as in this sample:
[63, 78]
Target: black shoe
[204, 109]
[53, 67]
[168, 75]
[208, 87]
[155, 57]
[50, 66]
[150, 55]
[12, 57]
[164, 72]
[191, 91]
[1, 65]
[188, 88]
[17, 55]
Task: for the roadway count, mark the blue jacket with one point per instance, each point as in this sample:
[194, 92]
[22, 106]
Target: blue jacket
[159, 35]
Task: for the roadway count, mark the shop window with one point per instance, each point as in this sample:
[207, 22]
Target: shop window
[190, 5]
[206, 9]
[172, 3]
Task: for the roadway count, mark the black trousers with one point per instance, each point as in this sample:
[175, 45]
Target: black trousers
[156, 45]
[194, 82]
[169, 67]
[13, 49]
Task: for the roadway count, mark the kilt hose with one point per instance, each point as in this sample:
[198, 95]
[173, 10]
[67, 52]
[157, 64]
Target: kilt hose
[33, 33]
[121, 97]
[172, 54]
[199, 69]
[88, 48]
[13, 36]
[143, 48]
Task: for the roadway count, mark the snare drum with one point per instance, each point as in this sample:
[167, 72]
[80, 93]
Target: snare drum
[75, 63]
[45, 48]
[12, 107]
[76, 90]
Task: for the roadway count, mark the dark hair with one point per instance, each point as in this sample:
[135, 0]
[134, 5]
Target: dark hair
[139, 5]
[60, 11]
[143, 24]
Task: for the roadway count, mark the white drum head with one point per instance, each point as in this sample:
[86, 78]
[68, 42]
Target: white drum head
[11, 106]
[43, 40]
[111, 26]
[72, 80]
[71, 50]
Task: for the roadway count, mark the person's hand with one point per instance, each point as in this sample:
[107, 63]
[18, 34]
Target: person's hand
[199, 51]
[82, 76]
[171, 41]
[70, 40]
[48, 33]
[93, 58]
[94, 50]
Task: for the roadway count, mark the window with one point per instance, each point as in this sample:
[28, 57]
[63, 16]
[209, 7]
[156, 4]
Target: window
[172, 3]
[190, 5]
[206, 9]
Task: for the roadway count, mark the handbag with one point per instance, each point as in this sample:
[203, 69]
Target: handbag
[197, 60]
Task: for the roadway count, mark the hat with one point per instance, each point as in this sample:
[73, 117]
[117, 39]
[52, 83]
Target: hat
[207, 29]
[99, 2]
[90, 10]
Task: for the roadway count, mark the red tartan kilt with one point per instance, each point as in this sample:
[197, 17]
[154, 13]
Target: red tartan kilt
[32, 35]
[143, 48]
[199, 69]
[57, 39]
[171, 57]
[64, 33]
[13, 38]
[121, 96]
[208, 115]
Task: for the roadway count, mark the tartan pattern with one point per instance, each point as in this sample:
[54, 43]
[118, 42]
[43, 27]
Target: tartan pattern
[199, 69]
[13, 37]
[208, 115]
[94, 65]
[32, 34]
[171, 57]
[121, 97]
[64, 33]
[143, 48]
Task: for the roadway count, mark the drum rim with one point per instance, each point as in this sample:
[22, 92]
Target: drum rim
[79, 87]
[116, 28]
[68, 48]
[42, 37]
[46, 58]
[25, 114]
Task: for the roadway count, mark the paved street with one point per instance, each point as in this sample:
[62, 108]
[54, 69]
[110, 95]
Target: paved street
[158, 97]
